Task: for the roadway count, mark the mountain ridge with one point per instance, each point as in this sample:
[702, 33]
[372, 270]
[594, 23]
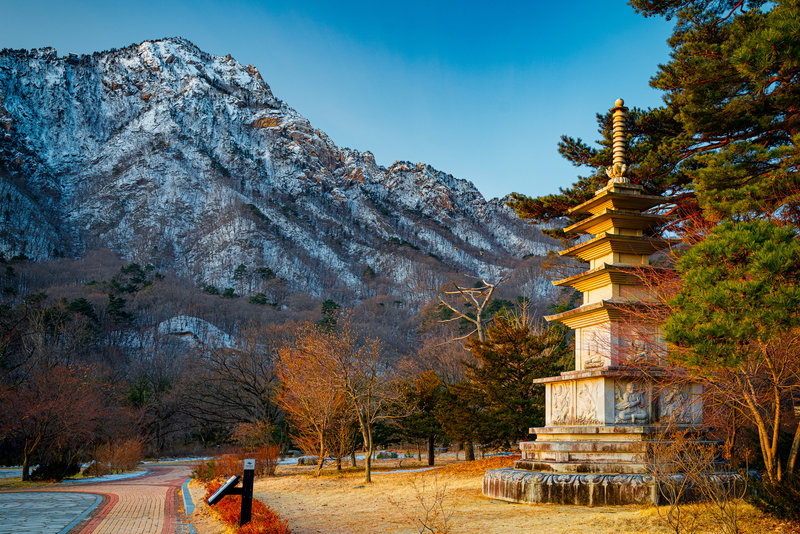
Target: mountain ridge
[172, 156]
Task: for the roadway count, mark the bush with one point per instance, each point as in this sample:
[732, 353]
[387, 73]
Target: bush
[205, 471]
[55, 471]
[779, 499]
[120, 455]
[264, 520]
[233, 464]
[96, 469]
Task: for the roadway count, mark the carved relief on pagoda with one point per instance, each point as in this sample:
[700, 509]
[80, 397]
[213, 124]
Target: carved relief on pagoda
[586, 412]
[640, 345]
[680, 404]
[592, 347]
[674, 406]
[561, 403]
[631, 403]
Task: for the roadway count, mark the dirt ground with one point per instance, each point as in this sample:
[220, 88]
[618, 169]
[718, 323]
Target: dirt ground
[396, 502]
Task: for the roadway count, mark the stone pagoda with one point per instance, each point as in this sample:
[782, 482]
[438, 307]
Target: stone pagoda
[600, 418]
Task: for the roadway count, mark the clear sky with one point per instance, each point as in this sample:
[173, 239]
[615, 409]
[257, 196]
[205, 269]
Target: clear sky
[481, 90]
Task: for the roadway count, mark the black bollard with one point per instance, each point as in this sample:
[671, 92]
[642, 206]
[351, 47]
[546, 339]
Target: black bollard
[247, 491]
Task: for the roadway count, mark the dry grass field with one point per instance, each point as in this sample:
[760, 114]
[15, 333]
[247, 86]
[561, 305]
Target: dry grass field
[396, 502]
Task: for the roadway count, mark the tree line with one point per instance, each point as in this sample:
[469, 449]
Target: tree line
[81, 375]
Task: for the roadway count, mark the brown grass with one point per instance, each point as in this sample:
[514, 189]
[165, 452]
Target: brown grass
[342, 503]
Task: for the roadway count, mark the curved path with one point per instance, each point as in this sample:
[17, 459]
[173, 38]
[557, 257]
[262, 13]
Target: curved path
[149, 504]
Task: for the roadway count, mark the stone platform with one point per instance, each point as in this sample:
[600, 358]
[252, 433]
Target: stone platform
[590, 465]
[592, 489]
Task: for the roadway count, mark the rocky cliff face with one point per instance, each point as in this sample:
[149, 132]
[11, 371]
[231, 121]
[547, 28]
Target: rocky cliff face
[171, 156]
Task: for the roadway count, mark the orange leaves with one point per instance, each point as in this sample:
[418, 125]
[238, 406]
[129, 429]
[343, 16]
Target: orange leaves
[264, 519]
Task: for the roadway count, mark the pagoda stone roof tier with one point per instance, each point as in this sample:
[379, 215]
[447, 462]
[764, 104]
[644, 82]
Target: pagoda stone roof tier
[612, 218]
[606, 243]
[601, 312]
[608, 273]
[619, 197]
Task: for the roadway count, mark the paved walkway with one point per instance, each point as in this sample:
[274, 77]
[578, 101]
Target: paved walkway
[149, 504]
[44, 511]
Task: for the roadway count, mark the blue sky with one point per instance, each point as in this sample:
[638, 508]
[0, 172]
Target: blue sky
[481, 90]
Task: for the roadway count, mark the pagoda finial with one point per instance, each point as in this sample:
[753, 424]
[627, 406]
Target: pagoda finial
[617, 172]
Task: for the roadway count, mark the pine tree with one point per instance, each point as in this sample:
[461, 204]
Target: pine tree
[508, 361]
[423, 395]
[736, 323]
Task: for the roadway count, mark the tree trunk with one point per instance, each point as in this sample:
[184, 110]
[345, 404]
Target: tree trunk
[419, 453]
[26, 469]
[470, 452]
[431, 443]
[353, 458]
[338, 464]
[368, 464]
[321, 459]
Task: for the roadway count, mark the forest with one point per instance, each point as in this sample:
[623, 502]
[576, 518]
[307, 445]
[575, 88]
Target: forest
[101, 358]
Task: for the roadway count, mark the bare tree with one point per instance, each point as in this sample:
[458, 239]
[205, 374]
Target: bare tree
[364, 378]
[686, 469]
[326, 369]
[237, 384]
[476, 298]
[309, 393]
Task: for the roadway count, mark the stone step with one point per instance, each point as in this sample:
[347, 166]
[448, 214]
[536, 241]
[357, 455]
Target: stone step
[589, 457]
[611, 432]
[579, 467]
[606, 447]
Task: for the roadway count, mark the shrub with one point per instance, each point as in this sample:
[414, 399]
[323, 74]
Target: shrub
[96, 469]
[233, 464]
[204, 471]
[264, 520]
[120, 455]
[56, 470]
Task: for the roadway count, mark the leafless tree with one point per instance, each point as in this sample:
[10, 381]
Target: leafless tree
[476, 298]
[309, 390]
[365, 380]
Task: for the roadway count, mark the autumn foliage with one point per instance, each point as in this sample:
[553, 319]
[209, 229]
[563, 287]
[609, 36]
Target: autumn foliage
[264, 520]
[230, 464]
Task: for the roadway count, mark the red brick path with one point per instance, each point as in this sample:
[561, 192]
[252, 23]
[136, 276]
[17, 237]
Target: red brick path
[141, 505]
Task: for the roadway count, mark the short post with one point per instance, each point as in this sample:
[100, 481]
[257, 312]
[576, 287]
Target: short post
[247, 491]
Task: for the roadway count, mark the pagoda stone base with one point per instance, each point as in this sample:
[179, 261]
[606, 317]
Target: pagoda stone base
[592, 465]
[594, 489]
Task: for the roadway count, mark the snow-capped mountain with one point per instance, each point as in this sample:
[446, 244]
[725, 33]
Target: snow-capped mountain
[171, 156]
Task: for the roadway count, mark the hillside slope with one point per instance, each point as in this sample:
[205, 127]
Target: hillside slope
[171, 156]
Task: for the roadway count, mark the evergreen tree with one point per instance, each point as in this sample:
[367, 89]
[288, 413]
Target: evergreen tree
[508, 361]
[330, 312]
[736, 319]
[423, 395]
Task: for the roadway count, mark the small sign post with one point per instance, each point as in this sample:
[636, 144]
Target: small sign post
[246, 491]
